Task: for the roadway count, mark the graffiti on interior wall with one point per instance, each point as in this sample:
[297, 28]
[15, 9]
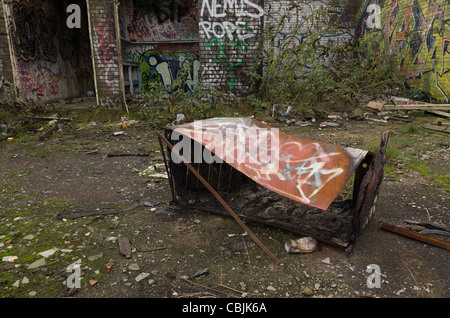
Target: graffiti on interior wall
[228, 28]
[48, 57]
[159, 20]
[38, 80]
[33, 33]
[173, 69]
[419, 31]
[36, 37]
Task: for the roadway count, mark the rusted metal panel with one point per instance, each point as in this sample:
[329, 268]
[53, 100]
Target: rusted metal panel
[310, 172]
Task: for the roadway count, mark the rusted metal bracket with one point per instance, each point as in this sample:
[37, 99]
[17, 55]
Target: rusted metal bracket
[219, 198]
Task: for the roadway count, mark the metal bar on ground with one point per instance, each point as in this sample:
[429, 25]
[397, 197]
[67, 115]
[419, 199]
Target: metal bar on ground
[414, 235]
[219, 198]
[169, 173]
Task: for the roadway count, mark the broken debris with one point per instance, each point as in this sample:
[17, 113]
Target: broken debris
[201, 272]
[124, 246]
[82, 211]
[302, 245]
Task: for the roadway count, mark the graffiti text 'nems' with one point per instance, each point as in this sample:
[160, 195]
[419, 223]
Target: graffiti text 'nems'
[241, 8]
[74, 19]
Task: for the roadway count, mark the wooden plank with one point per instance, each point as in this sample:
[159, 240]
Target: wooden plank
[439, 113]
[416, 236]
[417, 107]
[437, 128]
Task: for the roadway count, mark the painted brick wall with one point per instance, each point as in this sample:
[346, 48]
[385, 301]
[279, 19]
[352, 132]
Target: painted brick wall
[227, 57]
[418, 31]
[293, 20]
[5, 61]
[105, 52]
[229, 36]
[162, 37]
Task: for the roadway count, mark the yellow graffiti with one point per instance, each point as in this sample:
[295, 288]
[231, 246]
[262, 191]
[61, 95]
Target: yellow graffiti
[419, 32]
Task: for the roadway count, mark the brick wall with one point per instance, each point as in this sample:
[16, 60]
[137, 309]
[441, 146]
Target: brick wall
[291, 21]
[229, 36]
[106, 53]
[227, 57]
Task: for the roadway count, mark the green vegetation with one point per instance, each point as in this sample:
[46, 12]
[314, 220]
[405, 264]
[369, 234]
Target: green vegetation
[406, 146]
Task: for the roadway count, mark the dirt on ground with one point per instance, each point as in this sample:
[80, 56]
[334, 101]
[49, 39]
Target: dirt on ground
[68, 200]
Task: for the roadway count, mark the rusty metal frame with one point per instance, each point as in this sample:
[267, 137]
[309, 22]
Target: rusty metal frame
[218, 197]
[368, 176]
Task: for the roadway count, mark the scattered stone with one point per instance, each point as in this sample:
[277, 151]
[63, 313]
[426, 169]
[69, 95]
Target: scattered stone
[124, 246]
[9, 258]
[29, 237]
[133, 267]
[36, 264]
[32, 293]
[326, 261]
[16, 284]
[92, 282]
[151, 281]
[271, 288]
[141, 276]
[400, 291]
[201, 272]
[25, 280]
[95, 257]
[48, 253]
[307, 291]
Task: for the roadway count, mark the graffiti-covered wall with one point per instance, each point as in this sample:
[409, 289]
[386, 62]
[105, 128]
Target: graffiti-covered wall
[106, 53]
[6, 72]
[291, 23]
[162, 37]
[151, 20]
[50, 61]
[419, 32]
[230, 33]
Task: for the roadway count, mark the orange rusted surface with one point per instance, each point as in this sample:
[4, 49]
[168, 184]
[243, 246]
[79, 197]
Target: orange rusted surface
[310, 172]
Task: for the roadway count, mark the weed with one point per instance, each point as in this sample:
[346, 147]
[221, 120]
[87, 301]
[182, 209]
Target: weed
[304, 68]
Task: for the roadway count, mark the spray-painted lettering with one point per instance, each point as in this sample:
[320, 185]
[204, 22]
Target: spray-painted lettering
[219, 29]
